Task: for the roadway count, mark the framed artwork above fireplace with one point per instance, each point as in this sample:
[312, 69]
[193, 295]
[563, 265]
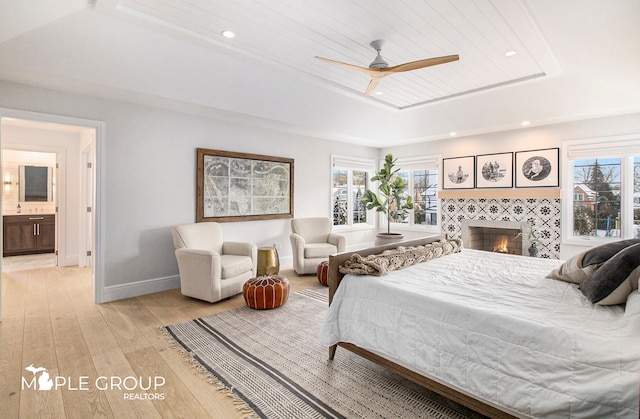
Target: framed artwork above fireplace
[537, 168]
[458, 172]
[494, 170]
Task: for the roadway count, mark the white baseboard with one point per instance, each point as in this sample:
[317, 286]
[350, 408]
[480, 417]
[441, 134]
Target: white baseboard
[286, 261]
[134, 289]
[69, 260]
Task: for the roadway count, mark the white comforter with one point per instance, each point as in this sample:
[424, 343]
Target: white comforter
[493, 326]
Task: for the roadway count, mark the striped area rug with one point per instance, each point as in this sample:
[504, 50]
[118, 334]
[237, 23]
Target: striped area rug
[272, 361]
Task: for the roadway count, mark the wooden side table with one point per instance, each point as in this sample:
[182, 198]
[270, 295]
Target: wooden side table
[268, 261]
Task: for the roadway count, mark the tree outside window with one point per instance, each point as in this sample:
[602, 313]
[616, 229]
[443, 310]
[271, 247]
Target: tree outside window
[598, 213]
[601, 192]
[423, 187]
[599, 197]
[348, 186]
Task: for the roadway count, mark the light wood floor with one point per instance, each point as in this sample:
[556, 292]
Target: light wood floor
[49, 320]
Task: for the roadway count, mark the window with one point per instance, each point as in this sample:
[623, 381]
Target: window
[421, 175]
[604, 178]
[350, 178]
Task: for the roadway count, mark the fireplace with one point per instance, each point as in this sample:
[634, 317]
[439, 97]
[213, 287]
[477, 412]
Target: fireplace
[494, 236]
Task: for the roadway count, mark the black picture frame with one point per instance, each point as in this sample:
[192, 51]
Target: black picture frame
[537, 168]
[459, 172]
[494, 170]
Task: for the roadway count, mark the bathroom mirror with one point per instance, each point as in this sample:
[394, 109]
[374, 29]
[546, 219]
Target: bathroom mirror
[35, 183]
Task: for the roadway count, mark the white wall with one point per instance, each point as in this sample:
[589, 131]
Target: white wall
[529, 138]
[149, 171]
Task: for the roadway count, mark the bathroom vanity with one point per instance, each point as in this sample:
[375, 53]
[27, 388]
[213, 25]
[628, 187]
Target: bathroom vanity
[29, 234]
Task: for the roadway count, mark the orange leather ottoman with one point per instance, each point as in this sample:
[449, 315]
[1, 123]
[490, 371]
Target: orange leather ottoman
[266, 292]
[322, 273]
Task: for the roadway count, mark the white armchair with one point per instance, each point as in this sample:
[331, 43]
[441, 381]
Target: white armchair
[210, 268]
[312, 242]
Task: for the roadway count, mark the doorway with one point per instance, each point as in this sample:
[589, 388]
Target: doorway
[76, 144]
[28, 209]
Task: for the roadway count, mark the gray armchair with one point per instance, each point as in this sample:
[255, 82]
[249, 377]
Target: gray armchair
[210, 268]
[312, 242]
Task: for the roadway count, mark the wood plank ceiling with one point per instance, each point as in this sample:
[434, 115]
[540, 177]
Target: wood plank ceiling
[290, 33]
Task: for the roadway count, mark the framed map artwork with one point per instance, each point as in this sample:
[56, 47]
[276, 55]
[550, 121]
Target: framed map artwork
[242, 187]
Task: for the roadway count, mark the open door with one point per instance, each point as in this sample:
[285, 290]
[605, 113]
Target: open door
[87, 207]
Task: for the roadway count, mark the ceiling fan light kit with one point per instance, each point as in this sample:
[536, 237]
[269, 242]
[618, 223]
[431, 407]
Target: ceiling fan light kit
[379, 68]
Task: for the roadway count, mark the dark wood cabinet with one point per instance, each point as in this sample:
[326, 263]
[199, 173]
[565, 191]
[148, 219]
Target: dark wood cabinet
[28, 234]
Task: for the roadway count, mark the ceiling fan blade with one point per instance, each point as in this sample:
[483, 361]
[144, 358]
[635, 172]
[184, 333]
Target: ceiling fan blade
[414, 65]
[351, 66]
[372, 85]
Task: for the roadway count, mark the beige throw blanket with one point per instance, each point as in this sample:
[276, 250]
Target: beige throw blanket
[399, 258]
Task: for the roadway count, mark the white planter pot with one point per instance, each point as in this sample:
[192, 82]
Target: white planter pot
[388, 238]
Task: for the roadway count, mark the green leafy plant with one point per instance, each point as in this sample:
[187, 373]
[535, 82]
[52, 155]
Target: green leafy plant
[391, 199]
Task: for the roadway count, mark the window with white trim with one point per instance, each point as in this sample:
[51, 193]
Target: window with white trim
[601, 190]
[421, 176]
[350, 177]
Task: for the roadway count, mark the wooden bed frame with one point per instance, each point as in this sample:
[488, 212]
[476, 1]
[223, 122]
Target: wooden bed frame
[335, 261]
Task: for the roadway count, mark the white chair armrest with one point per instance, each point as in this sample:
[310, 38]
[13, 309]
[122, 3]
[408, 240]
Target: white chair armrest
[200, 273]
[297, 249]
[239, 248]
[338, 241]
[242, 249]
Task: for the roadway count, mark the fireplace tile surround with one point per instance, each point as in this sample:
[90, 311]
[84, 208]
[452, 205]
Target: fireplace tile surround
[542, 214]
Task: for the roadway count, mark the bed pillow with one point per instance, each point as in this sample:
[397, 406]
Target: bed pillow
[581, 266]
[572, 271]
[615, 279]
[603, 253]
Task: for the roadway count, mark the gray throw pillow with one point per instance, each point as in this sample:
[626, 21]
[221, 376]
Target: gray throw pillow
[603, 253]
[615, 279]
[581, 266]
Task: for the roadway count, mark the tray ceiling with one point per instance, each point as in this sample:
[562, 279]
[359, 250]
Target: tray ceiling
[290, 33]
[574, 60]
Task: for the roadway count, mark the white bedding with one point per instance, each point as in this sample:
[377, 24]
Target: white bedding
[493, 326]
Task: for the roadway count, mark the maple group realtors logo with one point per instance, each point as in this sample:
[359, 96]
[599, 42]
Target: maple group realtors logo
[135, 388]
[42, 375]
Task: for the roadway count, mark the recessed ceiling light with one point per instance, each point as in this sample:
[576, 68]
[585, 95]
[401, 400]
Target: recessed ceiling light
[524, 123]
[510, 53]
[228, 34]
[453, 133]
[379, 93]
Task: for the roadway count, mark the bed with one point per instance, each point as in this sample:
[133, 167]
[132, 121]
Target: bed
[491, 332]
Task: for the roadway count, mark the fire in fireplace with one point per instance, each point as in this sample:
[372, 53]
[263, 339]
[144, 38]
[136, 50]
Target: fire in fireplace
[494, 236]
[502, 247]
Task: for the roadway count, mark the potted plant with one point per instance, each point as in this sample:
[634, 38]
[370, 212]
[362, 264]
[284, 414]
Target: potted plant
[391, 199]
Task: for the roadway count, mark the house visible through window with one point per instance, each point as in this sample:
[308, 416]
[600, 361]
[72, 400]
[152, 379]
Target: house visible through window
[350, 178]
[605, 185]
[421, 176]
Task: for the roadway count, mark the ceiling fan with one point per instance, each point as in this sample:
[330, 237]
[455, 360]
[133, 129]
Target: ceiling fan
[379, 68]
